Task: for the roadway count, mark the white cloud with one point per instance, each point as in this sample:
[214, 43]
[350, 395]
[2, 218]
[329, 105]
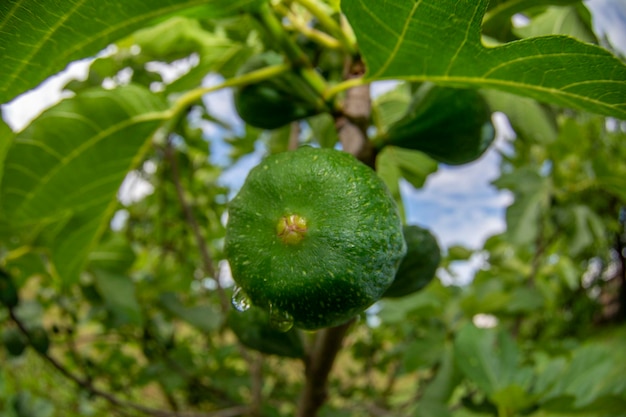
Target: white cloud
[609, 18]
[134, 188]
[220, 103]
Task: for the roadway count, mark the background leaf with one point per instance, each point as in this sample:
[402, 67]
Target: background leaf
[560, 20]
[498, 17]
[118, 292]
[528, 118]
[74, 29]
[394, 163]
[491, 360]
[399, 41]
[203, 317]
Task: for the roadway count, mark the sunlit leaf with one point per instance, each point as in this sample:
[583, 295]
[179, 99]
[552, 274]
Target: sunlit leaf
[390, 106]
[75, 155]
[422, 40]
[6, 136]
[393, 164]
[324, 132]
[33, 49]
[65, 168]
[414, 166]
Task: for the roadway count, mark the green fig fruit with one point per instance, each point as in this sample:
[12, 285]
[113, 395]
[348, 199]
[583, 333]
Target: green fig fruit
[8, 291]
[14, 341]
[419, 265]
[451, 125]
[39, 339]
[275, 102]
[314, 237]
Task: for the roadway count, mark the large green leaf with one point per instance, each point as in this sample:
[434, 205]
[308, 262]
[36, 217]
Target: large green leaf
[64, 170]
[440, 41]
[6, 135]
[39, 38]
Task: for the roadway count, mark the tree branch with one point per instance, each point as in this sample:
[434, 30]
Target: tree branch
[88, 386]
[352, 124]
[209, 269]
[207, 262]
[327, 344]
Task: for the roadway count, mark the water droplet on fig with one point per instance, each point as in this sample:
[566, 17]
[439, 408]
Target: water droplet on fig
[240, 300]
[280, 320]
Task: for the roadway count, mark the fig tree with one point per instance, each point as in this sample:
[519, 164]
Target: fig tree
[314, 237]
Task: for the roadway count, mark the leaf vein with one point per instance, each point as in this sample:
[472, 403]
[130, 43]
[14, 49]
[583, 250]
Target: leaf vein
[103, 134]
[401, 37]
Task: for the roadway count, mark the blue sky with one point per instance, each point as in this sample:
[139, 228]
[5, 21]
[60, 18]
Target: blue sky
[457, 203]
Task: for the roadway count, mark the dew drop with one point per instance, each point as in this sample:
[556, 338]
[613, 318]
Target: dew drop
[280, 320]
[240, 300]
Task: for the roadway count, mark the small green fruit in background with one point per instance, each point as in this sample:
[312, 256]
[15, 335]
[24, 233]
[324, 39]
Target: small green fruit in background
[314, 237]
[253, 329]
[14, 341]
[419, 265]
[8, 291]
[39, 339]
[275, 102]
[451, 125]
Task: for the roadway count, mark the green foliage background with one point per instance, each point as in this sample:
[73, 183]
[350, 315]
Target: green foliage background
[138, 316]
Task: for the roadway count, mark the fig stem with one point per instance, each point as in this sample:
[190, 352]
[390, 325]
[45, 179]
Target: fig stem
[330, 25]
[251, 77]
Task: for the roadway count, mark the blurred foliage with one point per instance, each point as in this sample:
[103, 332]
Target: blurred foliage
[145, 328]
